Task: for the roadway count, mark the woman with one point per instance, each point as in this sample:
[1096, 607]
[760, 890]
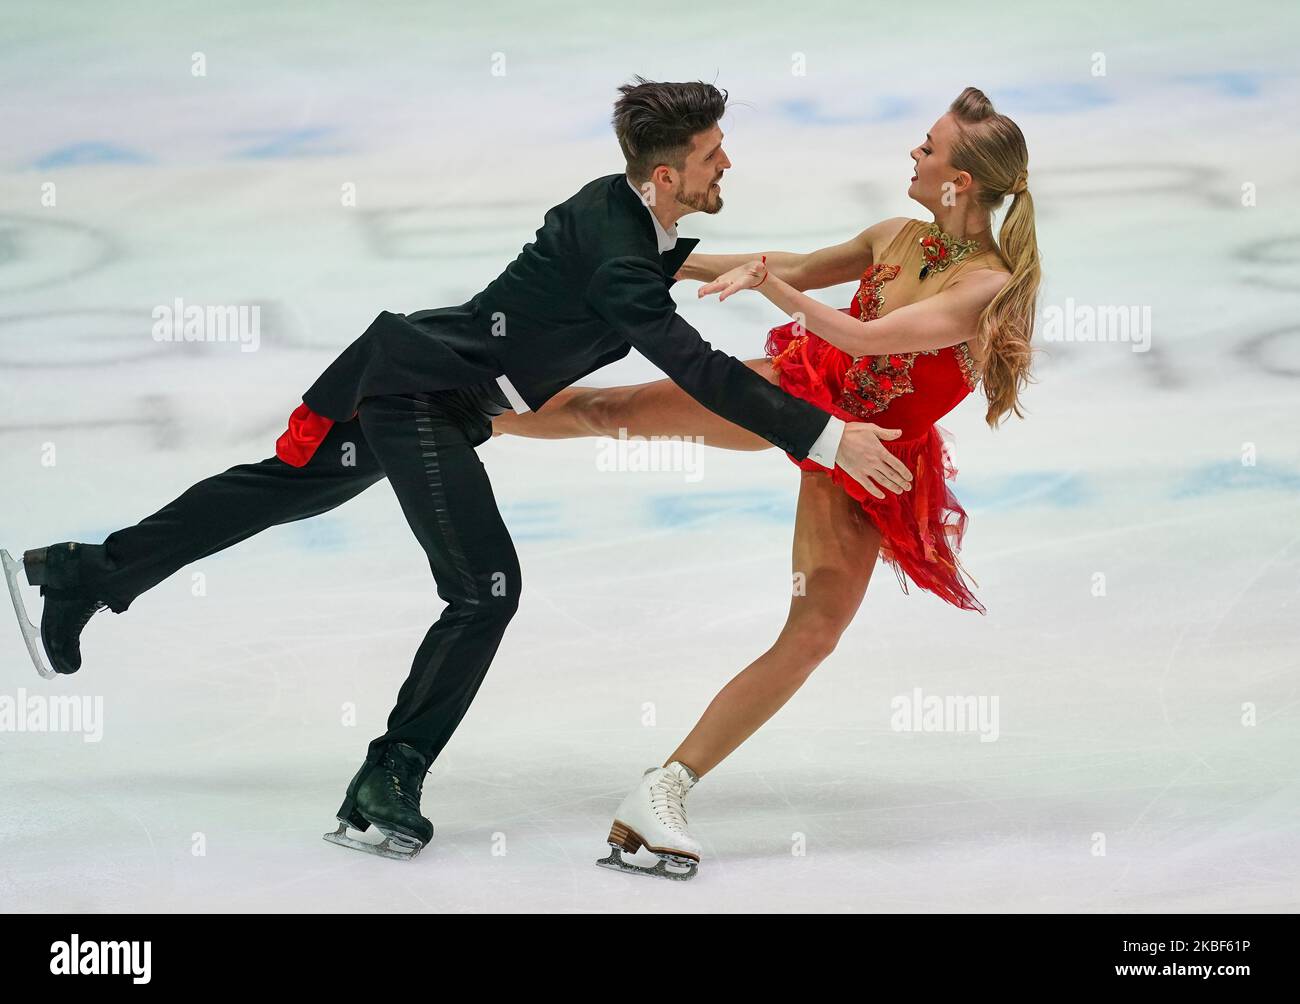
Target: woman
[939, 308]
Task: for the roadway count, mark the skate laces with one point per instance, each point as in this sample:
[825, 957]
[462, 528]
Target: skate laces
[668, 799]
[402, 779]
[93, 607]
[404, 795]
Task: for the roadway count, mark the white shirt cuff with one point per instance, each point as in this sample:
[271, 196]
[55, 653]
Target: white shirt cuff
[516, 402]
[827, 446]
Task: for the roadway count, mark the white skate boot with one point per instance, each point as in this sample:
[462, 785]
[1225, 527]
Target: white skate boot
[654, 816]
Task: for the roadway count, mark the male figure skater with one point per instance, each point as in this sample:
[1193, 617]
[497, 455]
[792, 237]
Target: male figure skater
[413, 396]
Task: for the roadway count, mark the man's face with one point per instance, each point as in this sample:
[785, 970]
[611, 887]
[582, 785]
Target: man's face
[698, 185]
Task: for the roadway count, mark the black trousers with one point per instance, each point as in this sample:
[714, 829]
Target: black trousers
[424, 445]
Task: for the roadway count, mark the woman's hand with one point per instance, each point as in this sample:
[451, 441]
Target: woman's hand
[748, 276]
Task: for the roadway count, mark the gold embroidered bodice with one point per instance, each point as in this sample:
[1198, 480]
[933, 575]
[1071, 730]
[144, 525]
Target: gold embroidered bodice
[872, 383]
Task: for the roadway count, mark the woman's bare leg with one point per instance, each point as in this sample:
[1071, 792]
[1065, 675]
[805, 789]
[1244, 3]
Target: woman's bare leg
[660, 408]
[835, 547]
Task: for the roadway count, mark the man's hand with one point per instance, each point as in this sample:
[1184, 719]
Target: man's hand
[865, 459]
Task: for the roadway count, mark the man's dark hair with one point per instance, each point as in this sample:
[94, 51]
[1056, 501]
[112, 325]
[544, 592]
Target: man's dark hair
[655, 121]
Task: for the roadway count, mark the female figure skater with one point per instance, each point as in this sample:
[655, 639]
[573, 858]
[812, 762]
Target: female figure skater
[940, 307]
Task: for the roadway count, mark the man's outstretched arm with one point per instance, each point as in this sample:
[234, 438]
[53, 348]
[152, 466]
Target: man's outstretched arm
[630, 295]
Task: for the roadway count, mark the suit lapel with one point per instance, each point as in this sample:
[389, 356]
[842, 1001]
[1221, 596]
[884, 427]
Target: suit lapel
[672, 260]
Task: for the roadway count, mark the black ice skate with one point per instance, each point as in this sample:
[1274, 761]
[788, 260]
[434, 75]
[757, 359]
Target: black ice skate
[68, 604]
[387, 794]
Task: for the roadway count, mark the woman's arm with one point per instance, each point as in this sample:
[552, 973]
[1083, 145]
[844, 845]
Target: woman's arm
[934, 323]
[815, 270]
[707, 267]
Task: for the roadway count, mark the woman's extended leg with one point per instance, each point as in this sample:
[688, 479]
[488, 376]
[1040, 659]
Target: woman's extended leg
[835, 549]
[660, 408]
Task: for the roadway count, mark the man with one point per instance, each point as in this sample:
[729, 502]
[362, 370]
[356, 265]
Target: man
[413, 396]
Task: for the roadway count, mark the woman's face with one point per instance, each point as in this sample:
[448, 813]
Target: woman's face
[933, 168]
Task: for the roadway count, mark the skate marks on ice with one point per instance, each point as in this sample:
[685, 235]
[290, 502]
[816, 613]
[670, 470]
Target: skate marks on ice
[40, 253]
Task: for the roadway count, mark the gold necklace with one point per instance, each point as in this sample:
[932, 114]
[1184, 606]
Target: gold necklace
[940, 249]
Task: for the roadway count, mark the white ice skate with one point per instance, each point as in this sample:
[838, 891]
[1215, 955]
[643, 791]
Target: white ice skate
[654, 817]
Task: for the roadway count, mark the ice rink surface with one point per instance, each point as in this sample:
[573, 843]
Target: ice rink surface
[1135, 540]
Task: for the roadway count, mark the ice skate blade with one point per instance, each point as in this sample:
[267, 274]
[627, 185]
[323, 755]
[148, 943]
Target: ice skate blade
[394, 846]
[30, 634]
[683, 868]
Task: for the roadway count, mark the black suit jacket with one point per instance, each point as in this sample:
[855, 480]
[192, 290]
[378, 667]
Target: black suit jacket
[589, 287]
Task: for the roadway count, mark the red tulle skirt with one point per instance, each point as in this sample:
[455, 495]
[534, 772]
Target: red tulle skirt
[921, 530]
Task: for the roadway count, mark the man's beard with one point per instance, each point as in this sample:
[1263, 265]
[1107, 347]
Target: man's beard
[706, 201]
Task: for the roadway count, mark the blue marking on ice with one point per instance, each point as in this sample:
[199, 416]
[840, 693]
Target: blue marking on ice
[1230, 476]
[77, 154]
[537, 520]
[319, 534]
[807, 112]
[1057, 489]
[289, 143]
[1233, 83]
[692, 507]
[1050, 98]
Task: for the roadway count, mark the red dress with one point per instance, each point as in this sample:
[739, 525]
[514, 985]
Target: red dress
[921, 529]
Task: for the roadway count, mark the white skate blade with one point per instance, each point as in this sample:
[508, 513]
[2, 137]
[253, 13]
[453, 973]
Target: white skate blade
[30, 633]
[394, 846]
[681, 868]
